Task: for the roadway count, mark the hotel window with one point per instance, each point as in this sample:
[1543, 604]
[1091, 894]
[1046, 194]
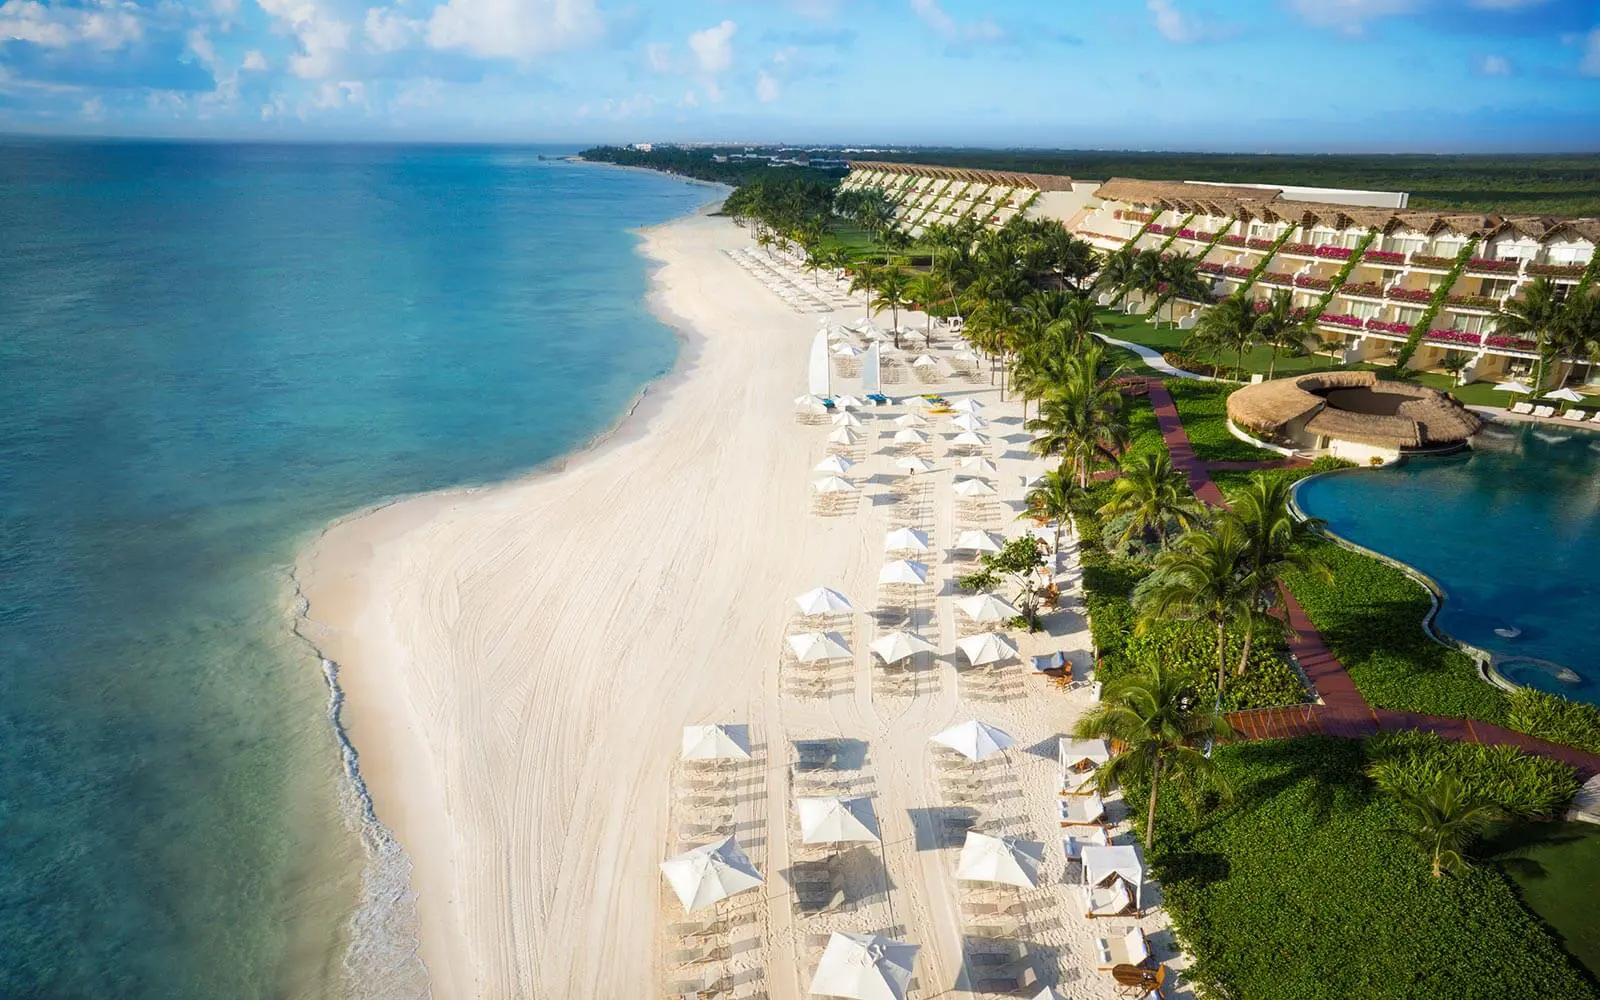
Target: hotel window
[1448, 247]
[1258, 231]
[1496, 286]
[1470, 324]
[1406, 244]
[1569, 255]
[1408, 315]
[1365, 310]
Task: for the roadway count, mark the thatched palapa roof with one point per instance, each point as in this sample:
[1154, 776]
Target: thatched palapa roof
[1420, 417]
[1001, 178]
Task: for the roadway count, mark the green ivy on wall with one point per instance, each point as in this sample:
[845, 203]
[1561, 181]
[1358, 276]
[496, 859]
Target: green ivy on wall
[1343, 276]
[1266, 259]
[1419, 329]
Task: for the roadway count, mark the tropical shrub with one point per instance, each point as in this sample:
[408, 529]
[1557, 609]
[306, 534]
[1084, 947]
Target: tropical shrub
[1269, 681]
[1554, 718]
[1518, 784]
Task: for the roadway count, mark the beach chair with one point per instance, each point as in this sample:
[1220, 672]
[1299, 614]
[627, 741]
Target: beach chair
[1128, 949]
[1072, 844]
[1079, 782]
[697, 956]
[1082, 810]
[1544, 411]
[1522, 408]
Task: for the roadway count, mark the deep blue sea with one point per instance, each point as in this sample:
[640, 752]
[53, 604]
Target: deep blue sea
[1509, 530]
[207, 352]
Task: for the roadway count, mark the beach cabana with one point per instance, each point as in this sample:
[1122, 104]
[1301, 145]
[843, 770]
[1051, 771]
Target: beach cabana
[976, 540]
[905, 539]
[1082, 810]
[987, 608]
[843, 435]
[1076, 755]
[896, 646]
[864, 967]
[833, 484]
[834, 820]
[973, 488]
[710, 873]
[903, 571]
[1102, 865]
[822, 601]
[1072, 844]
[973, 740]
[716, 742]
[977, 465]
[1005, 860]
[814, 647]
[911, 420]
[912, 463]
[909, 435]
[846, 419]
[835, 464]
[985, 648]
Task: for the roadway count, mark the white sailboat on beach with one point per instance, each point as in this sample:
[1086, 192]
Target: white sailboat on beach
[871, 376]
[821, 378]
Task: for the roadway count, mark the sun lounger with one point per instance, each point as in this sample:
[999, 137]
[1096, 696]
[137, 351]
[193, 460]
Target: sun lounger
[1544, 411]
[1127, 949]
[1079, 782]
[696, 956]
[1522, 408]
[1073, 843]
[1082, 810]
[1111, 900]
[1047, 662]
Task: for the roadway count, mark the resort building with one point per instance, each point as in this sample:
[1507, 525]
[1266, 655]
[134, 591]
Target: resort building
[1370, 273]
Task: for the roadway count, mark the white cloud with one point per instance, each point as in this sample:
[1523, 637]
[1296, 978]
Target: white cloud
[713, 47]
[344, 93]
[514, 29]
[690, 100]
[1172, 23]
[1590, 66]
[254, 61]
[766, 88]
[204, 52]
[102, 26]
[1350, 16]
[388, 31]
[323, 38]
[93, 109]
[1493, 65]
[658, 56]
[953, 31]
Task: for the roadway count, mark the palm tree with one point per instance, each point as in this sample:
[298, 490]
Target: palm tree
[1179, 277]
[1228, 325]
[1163, 730]
[1537, 314]
[1051, 500]
[1444, 820]
[1153, 494]
[926, 290]
[892, 288]
[1117, 273]
[1276, 545]
[1204, 576]
[1080, 319]
[866, 280]
[1282, 328]
[1082, 420]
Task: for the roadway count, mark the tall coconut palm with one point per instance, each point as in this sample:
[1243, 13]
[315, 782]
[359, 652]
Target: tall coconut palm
[865, 279]
[1162, 731]
[1116, 274]
[1178, 277]
[1079, 320]
[1282, 328]
[927, 291]
[1083, 420]
[988, 328]
[1153, 495]
[1276, 545]
[1537, 314]
[1228, 326]
[893, 284]
[1444, 820]
[1051, 500]
[1204, 576]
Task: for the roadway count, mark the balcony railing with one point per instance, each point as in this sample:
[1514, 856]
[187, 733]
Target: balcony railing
[1276, 278]
[1235, 271]
[1232, 241]
[1556, 270]
[1342, 319]
[1313, 282]
[1366, 289]
[1205, 267]
[1409, 294]
[1382, 326]
[1299, 249]
[1386, 258]
[1429, 260]
[1259, 244]
[1473, 301]
[1488, 265]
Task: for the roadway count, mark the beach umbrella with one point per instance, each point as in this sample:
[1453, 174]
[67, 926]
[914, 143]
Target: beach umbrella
[973, 740]
[911, 420]
[710, 873]
[833, 484]
[1032, 479]
[848, 403]
[834, 820]
[1006, 860]
[905, 538]
[1565, 395]
[987, 608]
[846, 419]
[973, 488]
[974, 540]
[814, 404]
[1073, 754]
[813, 647]
[834, 464]
[843, 435]
[969, 422]
[924, 361]
[903, 571]
[978, 466]
[910, 436]
[970, 439]
[888, 349]
[822, 601]
[897, 646]
[847, 351]
[1515, 387]
[967, 404]
[718, 742]
[912, 463]
[986, 647]
[864, 967]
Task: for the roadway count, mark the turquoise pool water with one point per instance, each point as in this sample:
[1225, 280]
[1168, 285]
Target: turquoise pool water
[1509, 530]
[207, 353]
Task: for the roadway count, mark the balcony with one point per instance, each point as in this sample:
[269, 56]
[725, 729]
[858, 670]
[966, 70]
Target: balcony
[1344, 320]
[1364, 290]
[1297, 249]
[1231, 241]
[1385, 327]
[1196, 235]
[1334, 253]
[1313, 282]
[1481, 303]
[1384, 258]
[1422, 295]
[1572, 271]
[1235, 272]
[1205, 267]
[1276, 278]
[1487, 265]
[1255, 243]
[1431, 262]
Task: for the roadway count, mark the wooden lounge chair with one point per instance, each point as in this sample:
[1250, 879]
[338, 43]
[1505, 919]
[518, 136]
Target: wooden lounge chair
[1073, 843]
[1082, 810]
[1135, 981]
[1127, 949]
[1112, 900]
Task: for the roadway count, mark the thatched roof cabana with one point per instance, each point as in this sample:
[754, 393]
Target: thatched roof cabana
[1354, 406]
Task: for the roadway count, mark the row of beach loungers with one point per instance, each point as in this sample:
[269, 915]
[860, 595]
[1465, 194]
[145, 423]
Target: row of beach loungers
[801, 294]
[1542, 412]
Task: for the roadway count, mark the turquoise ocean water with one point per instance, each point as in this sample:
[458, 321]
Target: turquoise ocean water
[1509, 530]
[207, 352]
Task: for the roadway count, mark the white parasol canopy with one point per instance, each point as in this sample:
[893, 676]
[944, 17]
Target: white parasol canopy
[969, 422]
[987, 608]
[847, 351]
[833, 463]
[924, 361]
[968, 404]
[974, 540]
[912, 463]
[1518, 388]
[908, 435]
[903, 571]
[813, 647]
[1565, 395]
[718, 742]
[974, 488]
[864, 967]
[822, 601]
[905, 538]
[1101, 864]
[986, 647]
[911, 420]
[833, 484]
[848, 403]
[710, 873]
[843, 435]
[978, 466]
[834, 820]
[846, 419]
[999, 859]
[971, 439]
[1074, 754]
[974, 740]
[897, 646]
[812, 404]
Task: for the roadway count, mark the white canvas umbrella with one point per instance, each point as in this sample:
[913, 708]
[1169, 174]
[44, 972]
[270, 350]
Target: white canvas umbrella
[710, 873]
[813, 404]
[718, 742]
[924, 361]
[1518, 388]
[847, 351]
[978, 466]
[986, 647]
[999, 859]
[974, 488]
[1074, 754]
[833, 484]
[912, 463]
[864, 967]
[834, 820]
[905, 538]
[846, 419]
[974, 540]
[970, 439]
[843, 435]
[987, 608]
[969, 422]
[848, 403]
[834, 464]
[968, 404]
[1565, 395]
[822, 601]
[903, 571]
[909, 436]
[897, 646]
[911, 420]
[974, 740]
[813, 647]
[1032, 479]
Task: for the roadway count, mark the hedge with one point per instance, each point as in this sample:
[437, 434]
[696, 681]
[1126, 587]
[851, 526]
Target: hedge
[1296, 890]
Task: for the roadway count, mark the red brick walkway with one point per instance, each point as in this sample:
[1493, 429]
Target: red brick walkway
[1343, 711]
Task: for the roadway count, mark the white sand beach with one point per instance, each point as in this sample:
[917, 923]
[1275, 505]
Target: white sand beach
[520, 662]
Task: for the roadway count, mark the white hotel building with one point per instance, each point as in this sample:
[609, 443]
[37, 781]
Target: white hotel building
[1301, 240]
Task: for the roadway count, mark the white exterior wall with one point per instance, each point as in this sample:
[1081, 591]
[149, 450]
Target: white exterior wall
[1060, 205]
[1362, 454]
[1333, 196]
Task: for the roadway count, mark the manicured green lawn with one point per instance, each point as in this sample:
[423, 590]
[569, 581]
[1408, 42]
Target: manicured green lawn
[1296, 890]
[1556, 868]
[858, 243]
[1203, 407]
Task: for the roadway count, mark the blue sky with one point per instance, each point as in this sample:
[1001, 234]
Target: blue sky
[1246, 75]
